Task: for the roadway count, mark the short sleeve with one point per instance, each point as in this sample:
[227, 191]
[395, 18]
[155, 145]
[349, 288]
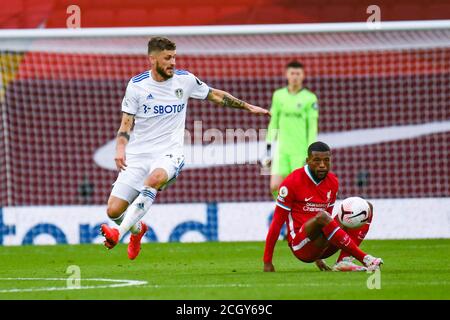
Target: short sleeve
[130, 102]
[285, 198]
[199, 90]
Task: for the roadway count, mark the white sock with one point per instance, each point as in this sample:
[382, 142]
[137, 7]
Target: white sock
[137, 210]
[134, 229]
[119, 219]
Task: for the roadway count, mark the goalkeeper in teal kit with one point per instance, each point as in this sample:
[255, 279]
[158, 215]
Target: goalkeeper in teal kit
[292, 128]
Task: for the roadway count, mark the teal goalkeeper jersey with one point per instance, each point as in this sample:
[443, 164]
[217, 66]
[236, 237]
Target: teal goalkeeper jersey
[294, 121]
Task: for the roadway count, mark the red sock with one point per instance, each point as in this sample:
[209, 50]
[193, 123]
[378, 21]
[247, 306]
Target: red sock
[338, 237]
[357, 235]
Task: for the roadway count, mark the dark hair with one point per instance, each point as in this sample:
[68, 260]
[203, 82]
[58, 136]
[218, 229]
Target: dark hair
[160, 44]
[318, 146]
[294, 64]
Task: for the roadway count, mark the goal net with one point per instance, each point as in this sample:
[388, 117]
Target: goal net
[384, 98]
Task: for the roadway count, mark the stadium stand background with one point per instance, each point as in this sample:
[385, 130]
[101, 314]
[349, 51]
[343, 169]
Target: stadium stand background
[119, 13]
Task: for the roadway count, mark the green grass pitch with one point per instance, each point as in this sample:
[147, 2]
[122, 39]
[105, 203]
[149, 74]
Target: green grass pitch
[413, 269]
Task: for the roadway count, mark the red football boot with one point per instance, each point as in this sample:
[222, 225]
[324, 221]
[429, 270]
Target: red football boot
[111, 236]
[134, 246]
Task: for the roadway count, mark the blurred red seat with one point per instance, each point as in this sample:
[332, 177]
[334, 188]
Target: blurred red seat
[93, 18]
[307, 13]
[437, 11]
[133, 18]
[168, 16]
[233, 14]
[403, 12]
[268, 14]
[201, 15]
[340, 13]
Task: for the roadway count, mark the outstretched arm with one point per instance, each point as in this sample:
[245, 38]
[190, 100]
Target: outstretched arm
[279, 217]
[123, 136]
[227, 100]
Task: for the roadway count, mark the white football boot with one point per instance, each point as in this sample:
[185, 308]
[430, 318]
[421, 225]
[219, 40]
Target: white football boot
[346, 264]
[372, 263]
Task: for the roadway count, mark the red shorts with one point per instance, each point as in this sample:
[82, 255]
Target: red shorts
[305, 249]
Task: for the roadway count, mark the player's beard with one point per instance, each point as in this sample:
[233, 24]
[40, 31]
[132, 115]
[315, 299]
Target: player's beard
[321, 175]
[162, 73]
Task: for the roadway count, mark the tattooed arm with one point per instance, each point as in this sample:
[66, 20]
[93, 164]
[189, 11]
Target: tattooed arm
[123, 136]
[227, 100]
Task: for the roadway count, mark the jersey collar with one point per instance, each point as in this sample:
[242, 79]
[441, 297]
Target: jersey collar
[159, 82]
[308, 173]
[294, 94]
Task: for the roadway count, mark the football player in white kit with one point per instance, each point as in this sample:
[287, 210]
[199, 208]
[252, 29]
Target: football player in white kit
[155, 102]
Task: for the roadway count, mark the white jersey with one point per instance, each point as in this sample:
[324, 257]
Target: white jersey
[160, 111]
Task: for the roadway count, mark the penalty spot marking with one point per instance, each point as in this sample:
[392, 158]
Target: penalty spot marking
[113, 283]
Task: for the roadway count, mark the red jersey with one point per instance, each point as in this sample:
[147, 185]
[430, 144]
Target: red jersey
[300, 197]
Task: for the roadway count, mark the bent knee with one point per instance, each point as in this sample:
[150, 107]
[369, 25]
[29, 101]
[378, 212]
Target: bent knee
[157, 179]
[116, 208]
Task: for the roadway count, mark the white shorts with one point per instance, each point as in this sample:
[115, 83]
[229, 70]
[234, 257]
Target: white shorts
[131, 180]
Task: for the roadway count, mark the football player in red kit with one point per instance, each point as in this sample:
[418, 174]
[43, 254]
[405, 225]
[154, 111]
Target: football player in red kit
[305, 203]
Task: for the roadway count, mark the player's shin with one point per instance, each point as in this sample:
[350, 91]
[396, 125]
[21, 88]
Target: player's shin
[137, 210]
[357, 235]
[338, 237]
[136, 228]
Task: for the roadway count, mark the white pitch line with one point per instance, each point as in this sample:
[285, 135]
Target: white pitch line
[231, 285]
[126, 283]
[116, 284]
[312, 284]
